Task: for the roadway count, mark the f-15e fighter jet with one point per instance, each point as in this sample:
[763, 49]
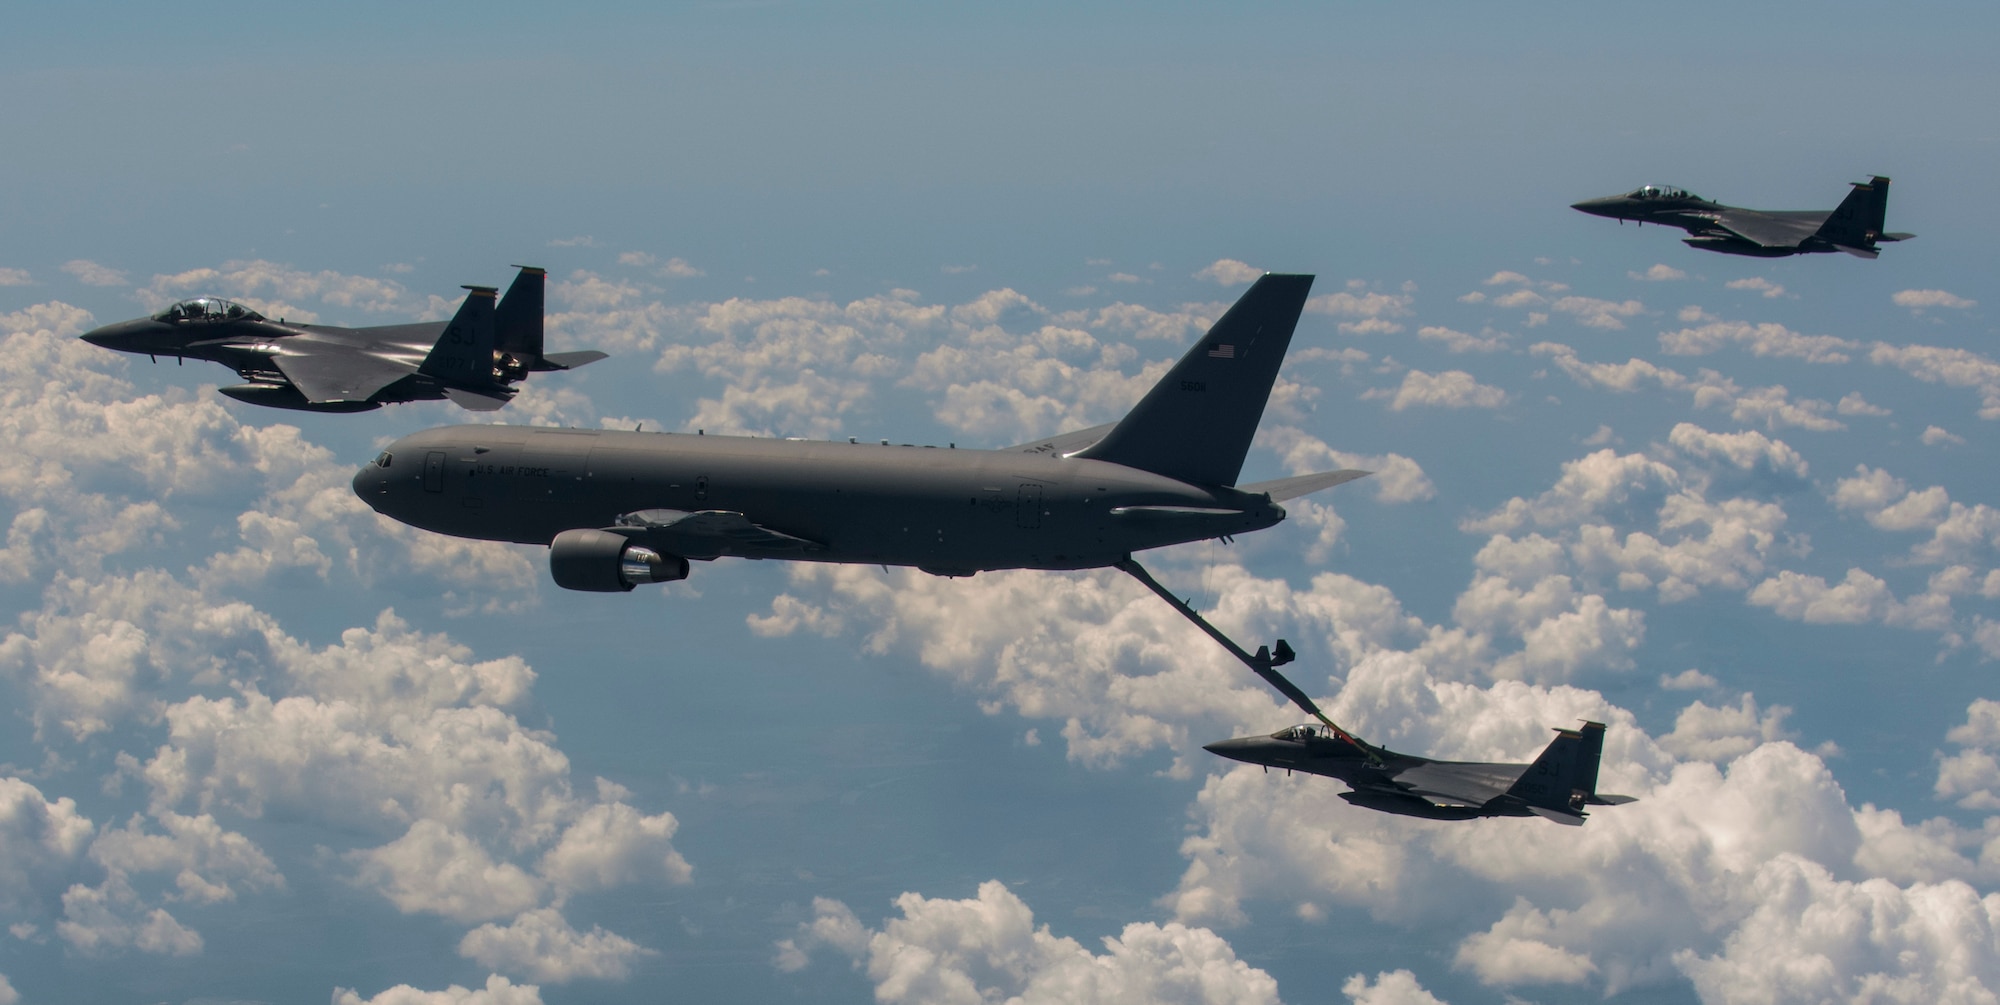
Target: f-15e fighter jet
[1855, 227]
[1561, 782]
[622, 508]
[475, 359]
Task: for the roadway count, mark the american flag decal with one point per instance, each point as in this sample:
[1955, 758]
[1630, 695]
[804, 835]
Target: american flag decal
[1222, 350]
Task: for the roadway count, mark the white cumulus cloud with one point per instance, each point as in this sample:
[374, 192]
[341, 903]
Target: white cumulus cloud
[1450, 389]
[988, 948]
[1920, 300]
[498, 990]
[1757, 284]
[1229, 272]
[90, 273]
[1659, 273]
[543, 946]
[1765, 339]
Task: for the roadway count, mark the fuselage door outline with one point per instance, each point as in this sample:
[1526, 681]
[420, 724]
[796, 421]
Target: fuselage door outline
[434, 471]
[1028, 511]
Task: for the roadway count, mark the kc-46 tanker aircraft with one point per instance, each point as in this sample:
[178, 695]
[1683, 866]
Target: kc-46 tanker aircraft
[622, 508]
[1854, 227]
[475, 359]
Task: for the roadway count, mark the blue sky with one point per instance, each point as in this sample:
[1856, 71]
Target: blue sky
[267, 747]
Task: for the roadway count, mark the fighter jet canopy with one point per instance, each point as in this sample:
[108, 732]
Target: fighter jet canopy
[1307, 731]
[208, 309]
[1660, 192]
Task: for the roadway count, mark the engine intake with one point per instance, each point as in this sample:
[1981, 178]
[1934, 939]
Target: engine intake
[599, 561]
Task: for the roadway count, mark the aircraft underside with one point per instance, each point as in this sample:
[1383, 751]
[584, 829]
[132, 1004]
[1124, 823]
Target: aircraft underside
[1738, 246]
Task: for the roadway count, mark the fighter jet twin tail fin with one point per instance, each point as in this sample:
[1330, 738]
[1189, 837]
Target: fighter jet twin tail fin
[1857, 224]
[464, 358]
[1563, 780]
[517, 326]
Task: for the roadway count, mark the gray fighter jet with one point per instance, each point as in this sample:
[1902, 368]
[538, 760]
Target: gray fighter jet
[1561, 782]
[1855, 227]
[1557, 786]
[622, 508]
[475, 359]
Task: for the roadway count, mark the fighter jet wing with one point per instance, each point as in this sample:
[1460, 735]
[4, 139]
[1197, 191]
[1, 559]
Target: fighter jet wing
[1063, 444]
[1458, 783]
[344, 376]
[712, 533]
[1769, 230]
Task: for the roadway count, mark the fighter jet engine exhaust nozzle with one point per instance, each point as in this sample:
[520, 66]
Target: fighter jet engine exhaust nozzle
[510, 369]
[600, 561]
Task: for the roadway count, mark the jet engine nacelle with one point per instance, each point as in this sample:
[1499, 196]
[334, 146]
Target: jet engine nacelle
[599, 561]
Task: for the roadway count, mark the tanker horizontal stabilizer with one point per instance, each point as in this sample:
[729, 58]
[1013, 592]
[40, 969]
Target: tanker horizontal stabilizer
[1281, 489]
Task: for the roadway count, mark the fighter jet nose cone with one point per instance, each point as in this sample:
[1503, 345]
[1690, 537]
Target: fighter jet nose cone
[125, 336]
[1232, 749]
[1597, 207]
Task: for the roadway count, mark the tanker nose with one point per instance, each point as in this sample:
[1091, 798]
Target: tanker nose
[371, 483]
